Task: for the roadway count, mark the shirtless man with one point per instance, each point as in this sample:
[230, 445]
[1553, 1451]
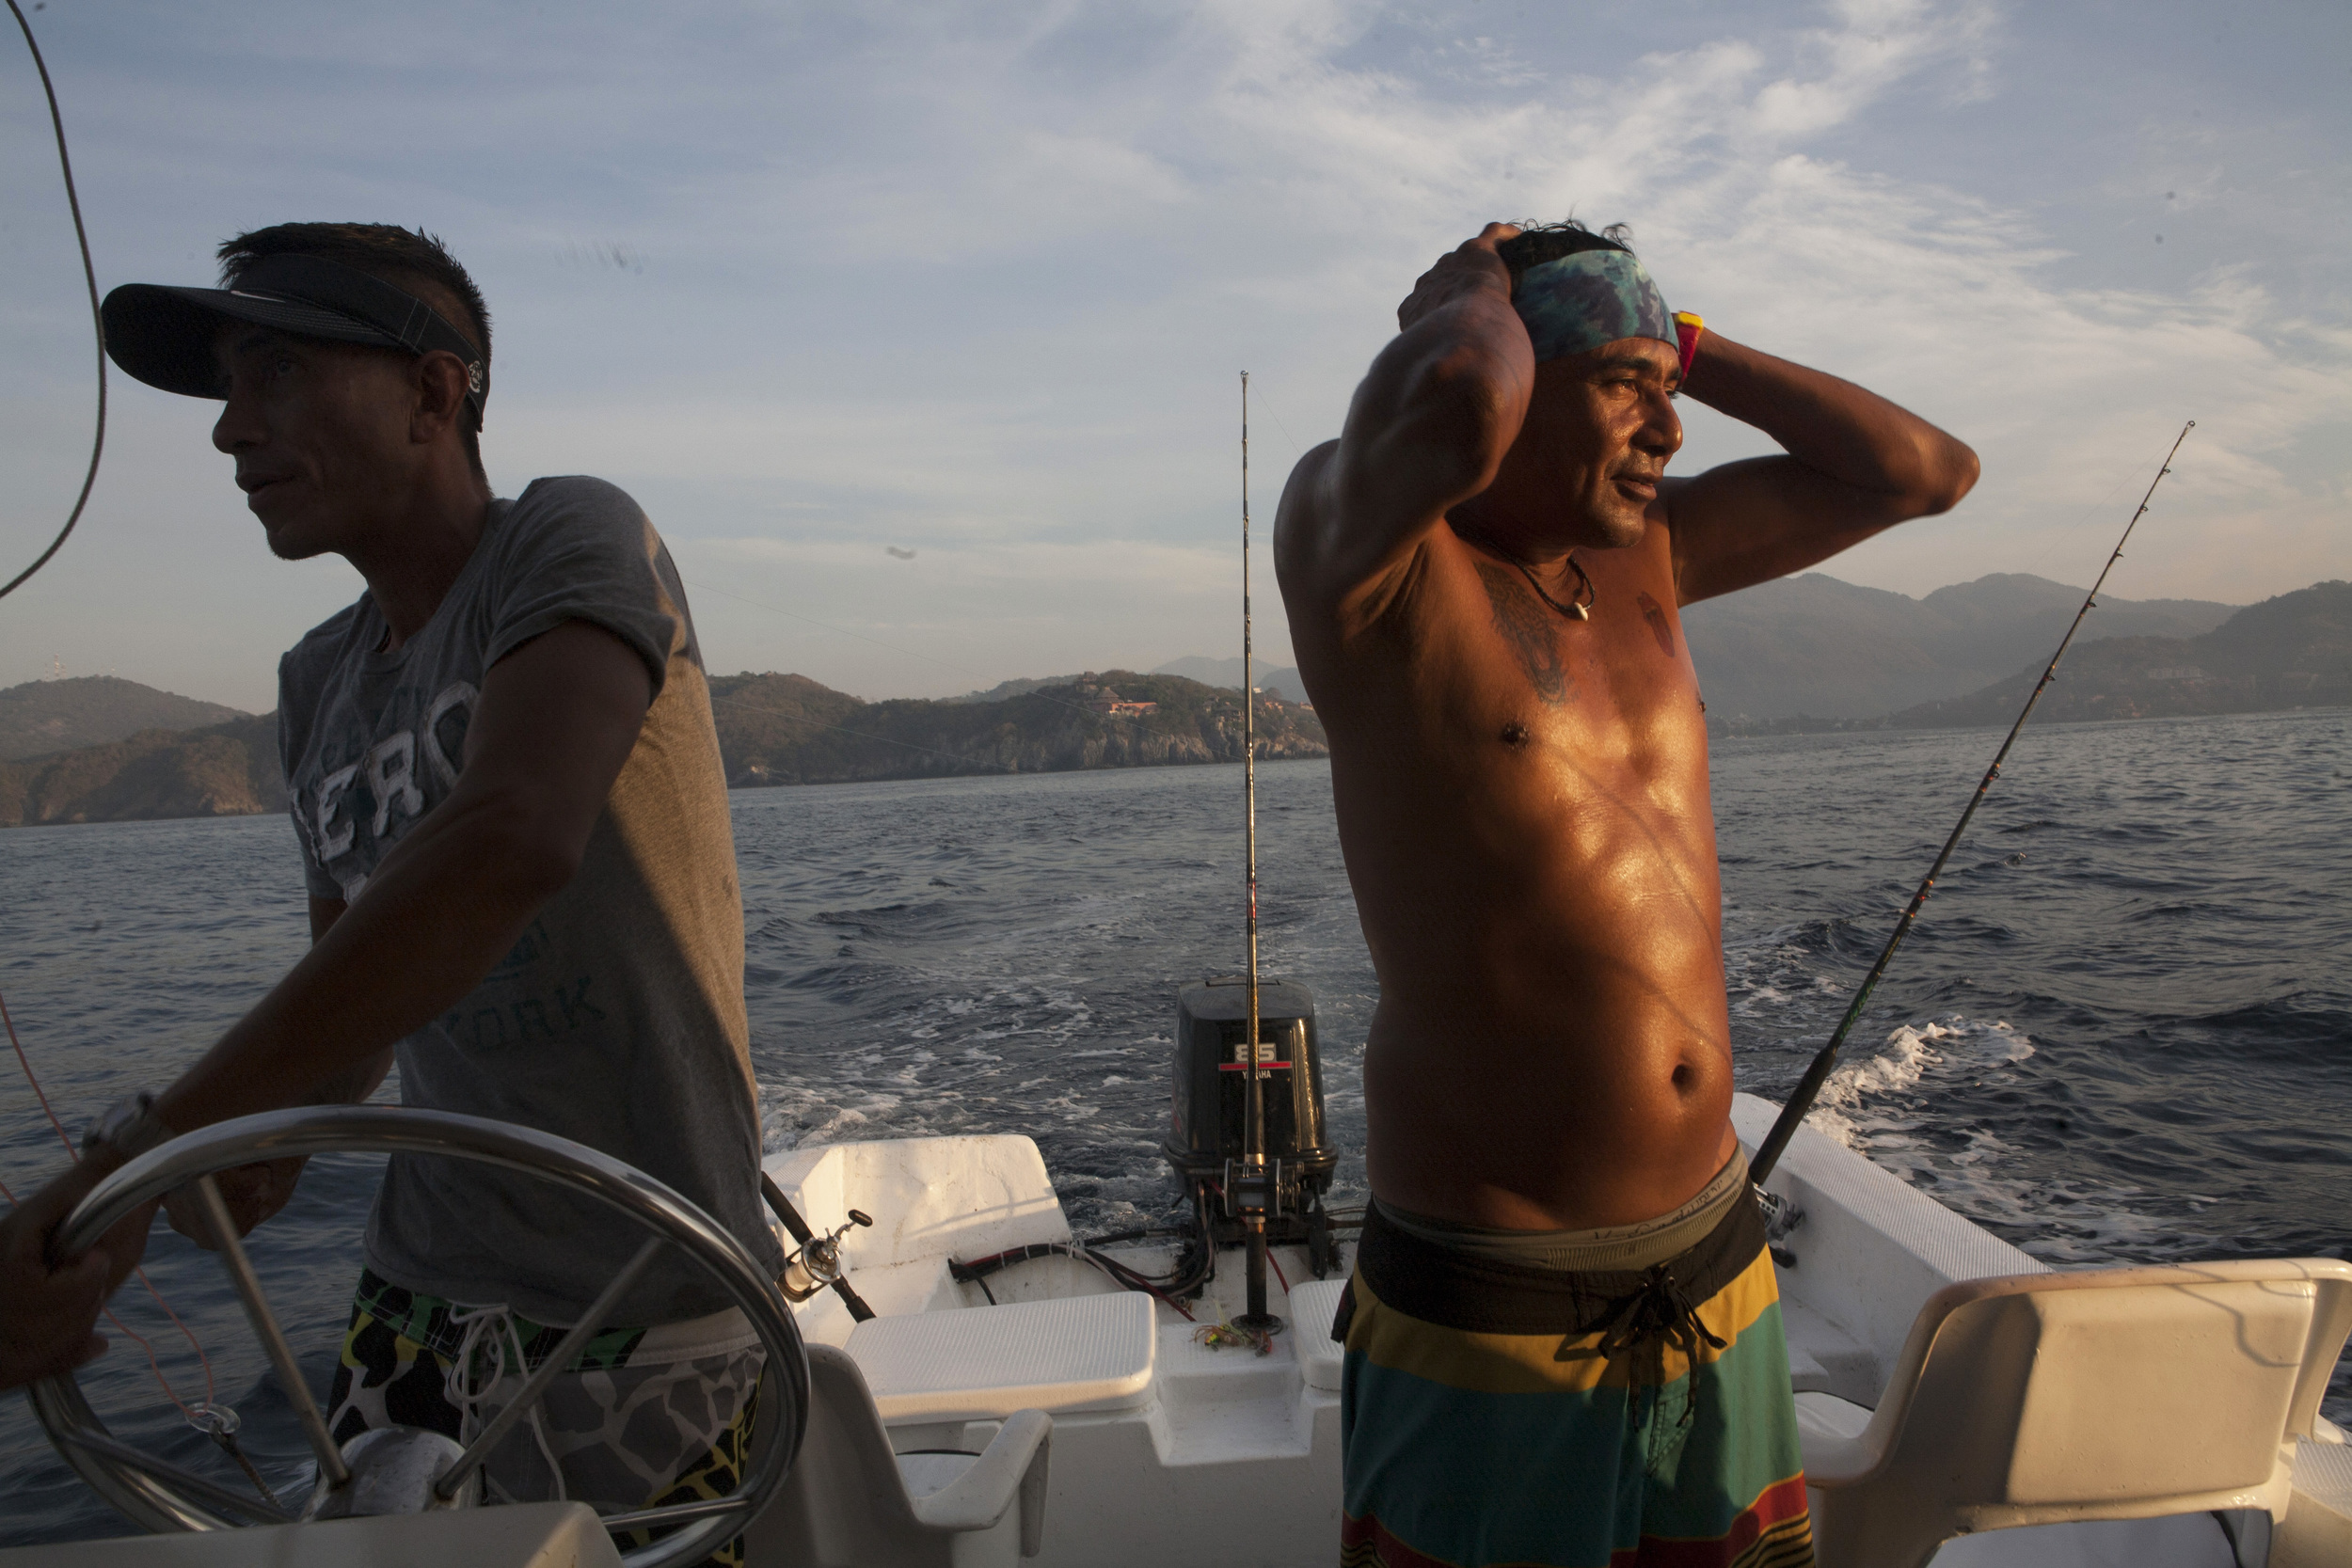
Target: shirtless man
[1562, 1334]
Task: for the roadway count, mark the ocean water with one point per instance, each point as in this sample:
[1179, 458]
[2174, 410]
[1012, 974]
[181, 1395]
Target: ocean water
[2121, 1031]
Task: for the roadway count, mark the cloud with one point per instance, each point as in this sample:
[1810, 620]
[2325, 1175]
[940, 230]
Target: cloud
[975, 283]
[1944, 299]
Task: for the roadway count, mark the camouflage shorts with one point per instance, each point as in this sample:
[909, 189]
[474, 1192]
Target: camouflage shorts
[650, 1416]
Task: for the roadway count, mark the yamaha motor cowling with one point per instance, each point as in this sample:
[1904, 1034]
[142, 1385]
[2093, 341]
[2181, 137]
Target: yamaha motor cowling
[1209, 1117]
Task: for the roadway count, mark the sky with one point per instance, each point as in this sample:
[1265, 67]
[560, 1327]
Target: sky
[823, 286]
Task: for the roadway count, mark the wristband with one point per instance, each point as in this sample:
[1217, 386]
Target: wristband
[1689, 324]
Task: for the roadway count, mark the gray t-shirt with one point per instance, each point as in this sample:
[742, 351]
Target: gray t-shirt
[617, 1021]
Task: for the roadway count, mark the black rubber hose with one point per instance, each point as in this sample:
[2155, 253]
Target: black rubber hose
[89, 276]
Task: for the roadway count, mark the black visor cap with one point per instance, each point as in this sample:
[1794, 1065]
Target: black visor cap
[163, 335]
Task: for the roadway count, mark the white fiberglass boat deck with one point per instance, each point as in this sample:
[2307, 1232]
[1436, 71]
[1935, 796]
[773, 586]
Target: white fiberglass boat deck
[1054, 1415]
[1167, 1452]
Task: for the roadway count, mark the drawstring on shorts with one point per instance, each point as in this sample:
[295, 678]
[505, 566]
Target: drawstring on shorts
[494, 1324]
[1658, 1314]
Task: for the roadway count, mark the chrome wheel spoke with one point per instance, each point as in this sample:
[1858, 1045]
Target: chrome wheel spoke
[223, 1497]
[675, 1514]
[574, 1341]
[160, 1496]
[273, 1339]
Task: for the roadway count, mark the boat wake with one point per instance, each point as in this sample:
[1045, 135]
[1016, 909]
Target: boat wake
[1895, 1108]
[1853, 1106]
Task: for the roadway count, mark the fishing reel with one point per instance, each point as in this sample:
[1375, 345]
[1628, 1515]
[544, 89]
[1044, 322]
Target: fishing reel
[816, 1263]
[1781, 1216]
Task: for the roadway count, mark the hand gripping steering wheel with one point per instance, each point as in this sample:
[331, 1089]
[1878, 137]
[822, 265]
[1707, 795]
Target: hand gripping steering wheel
[404, 1469]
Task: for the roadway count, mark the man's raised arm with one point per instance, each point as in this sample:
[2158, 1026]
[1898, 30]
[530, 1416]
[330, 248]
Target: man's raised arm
[1856, 464]
[1426, 431]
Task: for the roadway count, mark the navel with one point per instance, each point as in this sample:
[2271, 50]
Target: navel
[1515, 734]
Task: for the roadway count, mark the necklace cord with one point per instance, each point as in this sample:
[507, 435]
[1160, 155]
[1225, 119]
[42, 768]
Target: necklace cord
[89, 276]
[1578, 609]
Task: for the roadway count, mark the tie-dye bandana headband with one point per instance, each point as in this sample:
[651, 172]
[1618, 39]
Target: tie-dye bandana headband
[1579, 302]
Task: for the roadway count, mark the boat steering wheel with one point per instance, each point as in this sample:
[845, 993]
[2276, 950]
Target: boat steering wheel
[405, 1469]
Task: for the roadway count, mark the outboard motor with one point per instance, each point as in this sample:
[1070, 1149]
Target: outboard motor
[1208, 1121]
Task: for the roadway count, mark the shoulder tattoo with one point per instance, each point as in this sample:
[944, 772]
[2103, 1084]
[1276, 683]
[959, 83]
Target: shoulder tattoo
[1531, 629]
[1658, 628]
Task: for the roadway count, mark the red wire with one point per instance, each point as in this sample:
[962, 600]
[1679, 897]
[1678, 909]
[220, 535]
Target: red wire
[156, 1365]
[187, 1333]
[63, 1136]
[132, 1337]
[66, 1138]
[1277, 1271]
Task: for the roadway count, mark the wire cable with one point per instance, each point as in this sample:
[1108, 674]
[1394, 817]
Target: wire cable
[210, 1394]
[1168, 1288]
[98, 322]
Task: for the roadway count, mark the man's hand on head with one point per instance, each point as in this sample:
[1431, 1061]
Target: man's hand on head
[1853, 463]
[1469, 267]
[1428, 426]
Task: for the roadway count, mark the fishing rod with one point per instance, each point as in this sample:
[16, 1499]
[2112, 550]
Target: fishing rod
[1259, 1196]
[1768, 1153]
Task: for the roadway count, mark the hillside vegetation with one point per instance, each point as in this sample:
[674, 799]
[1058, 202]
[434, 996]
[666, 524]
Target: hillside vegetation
[41, 717]
[2294, 651]
[1279, 680]
[773, 730]
[221, 770]
[786, 729]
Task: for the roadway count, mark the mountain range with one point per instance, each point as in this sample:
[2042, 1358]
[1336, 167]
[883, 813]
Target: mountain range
[2289, 652]
[1280, 679]
[787, 729]
[1805, 653]
[773, 729]
[1817, 647]
[219, 771]
[1813, 645]
[41, 717]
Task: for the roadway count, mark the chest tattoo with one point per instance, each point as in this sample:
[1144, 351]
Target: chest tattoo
[1531, 628]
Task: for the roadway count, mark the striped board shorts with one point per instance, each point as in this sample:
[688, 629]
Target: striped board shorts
[648, 1417]
[1594, 1399]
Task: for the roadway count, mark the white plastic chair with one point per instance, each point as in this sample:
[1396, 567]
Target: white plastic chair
[850, 1502]
[2107, 1394]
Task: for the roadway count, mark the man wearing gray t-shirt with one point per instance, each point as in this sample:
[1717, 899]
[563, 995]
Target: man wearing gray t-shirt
[512, 818]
